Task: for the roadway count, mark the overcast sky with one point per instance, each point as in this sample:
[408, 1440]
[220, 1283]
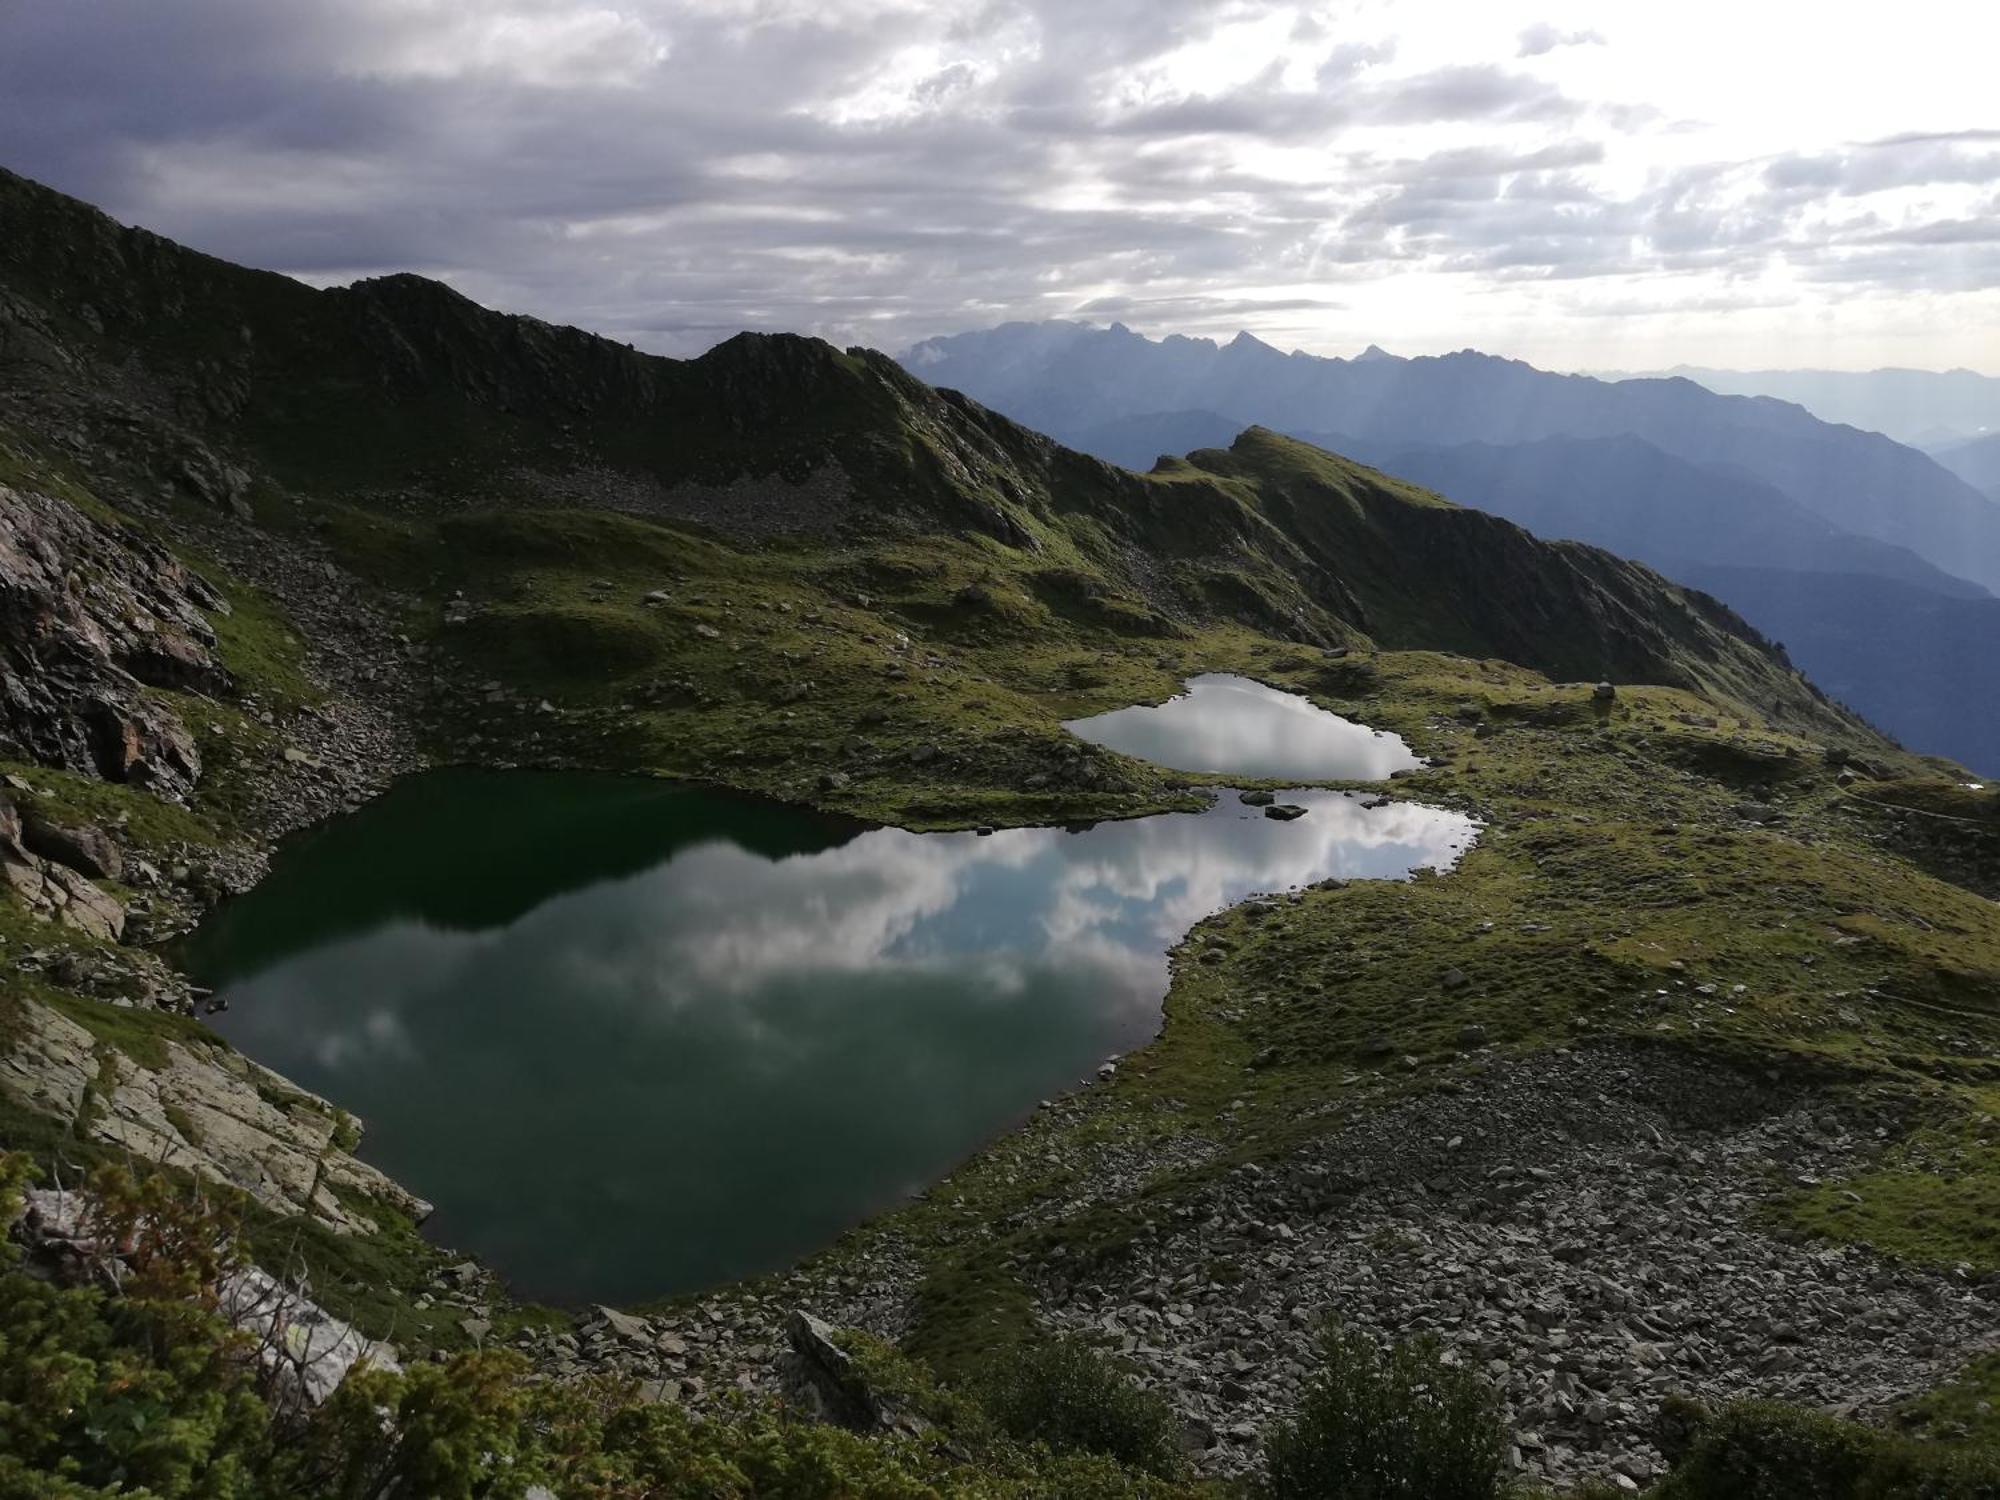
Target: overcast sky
[1726, 182]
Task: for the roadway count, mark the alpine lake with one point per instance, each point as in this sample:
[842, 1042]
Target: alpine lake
[635, 1038]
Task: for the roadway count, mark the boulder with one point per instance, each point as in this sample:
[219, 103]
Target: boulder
[825, 1379]
[632, 1329]
[58, 894]
[87, 850]
[308, 1351]
[1284, 812]
[11, 847]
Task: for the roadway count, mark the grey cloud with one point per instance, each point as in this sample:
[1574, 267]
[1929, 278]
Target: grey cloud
[717, 186]
[1984, 231]
[1493, 161]
[1196, 309]
[1473, 91]
[1542, 38]
[1350, 59]
[1908, 161]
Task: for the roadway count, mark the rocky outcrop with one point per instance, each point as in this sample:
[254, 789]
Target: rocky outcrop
[91, 615]
[204, 1108]
[86, 850]
[825, 1379]
[56, 892]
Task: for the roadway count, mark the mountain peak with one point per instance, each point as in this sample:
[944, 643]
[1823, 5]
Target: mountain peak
[1376, 352]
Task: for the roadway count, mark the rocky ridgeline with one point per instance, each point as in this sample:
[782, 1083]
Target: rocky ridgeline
[1583, 1229]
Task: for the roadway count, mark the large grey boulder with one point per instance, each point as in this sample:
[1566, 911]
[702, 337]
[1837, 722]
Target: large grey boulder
[825, 1379]
[88, 851]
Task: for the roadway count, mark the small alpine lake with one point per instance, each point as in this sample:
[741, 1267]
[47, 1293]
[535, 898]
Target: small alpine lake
[1225, 725]
[634, 1038]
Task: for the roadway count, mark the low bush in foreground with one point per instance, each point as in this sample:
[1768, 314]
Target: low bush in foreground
[1376, 1424]
[1760, 1450]
[147, 1391]
[1067, 1395]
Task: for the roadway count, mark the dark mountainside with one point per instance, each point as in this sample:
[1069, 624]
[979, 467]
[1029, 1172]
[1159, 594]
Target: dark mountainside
[1922, 664]
[401, 385]
[1666, 1110]
[1068, 376]
[1874, 625]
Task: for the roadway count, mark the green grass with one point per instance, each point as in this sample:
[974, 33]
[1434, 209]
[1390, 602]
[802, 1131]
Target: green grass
[260, 647]
[66, 797]
[142, 1035]
[1934, 1200]
[1965, 1409]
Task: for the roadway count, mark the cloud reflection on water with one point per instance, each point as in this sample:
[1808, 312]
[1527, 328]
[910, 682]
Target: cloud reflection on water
[1225, 725]
[745, 1054]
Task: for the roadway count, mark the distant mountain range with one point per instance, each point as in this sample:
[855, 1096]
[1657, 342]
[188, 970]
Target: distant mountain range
[1976, 462]
[1065, 377]
[1927, 409]
[1869, 559]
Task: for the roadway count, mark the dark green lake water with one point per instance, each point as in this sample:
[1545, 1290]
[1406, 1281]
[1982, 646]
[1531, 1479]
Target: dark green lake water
[634, 1039]
[1225, 725]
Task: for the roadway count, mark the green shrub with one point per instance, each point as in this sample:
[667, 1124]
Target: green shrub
[1382, 1423]
[151, 1394]
[1761, 1450]
[1067, 1395]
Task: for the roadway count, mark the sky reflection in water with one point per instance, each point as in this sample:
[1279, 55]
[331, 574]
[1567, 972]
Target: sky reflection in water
[740, 1028]
[1225, 725]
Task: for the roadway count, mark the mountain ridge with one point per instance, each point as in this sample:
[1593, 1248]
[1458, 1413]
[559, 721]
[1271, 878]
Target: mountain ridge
[399, 386]
[1067, 375]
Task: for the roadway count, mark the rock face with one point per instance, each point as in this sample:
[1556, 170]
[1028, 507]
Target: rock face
[206, 1109]
[90, 616]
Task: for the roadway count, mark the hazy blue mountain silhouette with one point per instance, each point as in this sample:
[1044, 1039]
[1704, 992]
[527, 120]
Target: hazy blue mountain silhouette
[1068, 377]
